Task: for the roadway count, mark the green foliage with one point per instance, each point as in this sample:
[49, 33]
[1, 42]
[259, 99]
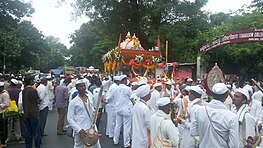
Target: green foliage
[234, 58]
[23, 45]
[179, 22]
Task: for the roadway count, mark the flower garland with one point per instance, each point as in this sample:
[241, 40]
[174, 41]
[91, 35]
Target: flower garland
[156, 59]
[138, 58]
[117, 55]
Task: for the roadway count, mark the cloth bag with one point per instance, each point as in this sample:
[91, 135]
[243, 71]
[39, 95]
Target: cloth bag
[11, 111]
[160, 142]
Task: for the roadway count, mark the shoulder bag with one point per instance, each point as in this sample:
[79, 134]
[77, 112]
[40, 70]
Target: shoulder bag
[160, 142]
[92, 134]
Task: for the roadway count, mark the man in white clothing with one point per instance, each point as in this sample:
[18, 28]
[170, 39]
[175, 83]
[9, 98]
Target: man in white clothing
[246, 121]
[78, 117]
[141, 118]
[258, 95]
[123, 112]
[134, 97]
[156, 95]
[161, 119]
[43, 107]
[195, 93]
[216, 126]
[255, 107]
[50, 91]
[110, 101]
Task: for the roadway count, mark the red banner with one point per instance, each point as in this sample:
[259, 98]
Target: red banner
[129, 53]
[235, 37]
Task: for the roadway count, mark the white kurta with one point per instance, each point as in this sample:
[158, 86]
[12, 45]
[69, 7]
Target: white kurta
[247, 124]
[224, 121]
[78, 119]
[228, 103]
[168, 129]
[140, 125]
[96, 93]
[258, 96]
[255, 110]
[155, 96]
[111, 110]
[188, 141]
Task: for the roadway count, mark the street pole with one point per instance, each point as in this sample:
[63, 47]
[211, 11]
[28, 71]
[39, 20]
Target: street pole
[4, 56]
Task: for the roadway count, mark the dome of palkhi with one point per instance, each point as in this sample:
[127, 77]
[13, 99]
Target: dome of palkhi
[131, 43]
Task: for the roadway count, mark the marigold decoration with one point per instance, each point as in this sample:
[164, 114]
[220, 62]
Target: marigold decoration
[114, 66]
[138, 58]
[107, 66]
[151, 66]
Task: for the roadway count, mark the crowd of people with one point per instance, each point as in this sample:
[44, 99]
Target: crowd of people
[163, 112]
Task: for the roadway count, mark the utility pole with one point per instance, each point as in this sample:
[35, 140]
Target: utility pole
[4, 53]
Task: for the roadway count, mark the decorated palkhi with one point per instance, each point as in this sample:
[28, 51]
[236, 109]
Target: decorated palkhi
[130, 53]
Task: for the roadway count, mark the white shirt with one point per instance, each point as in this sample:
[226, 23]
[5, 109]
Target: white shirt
[122, 95]
[168, 129]
[96, 92]
[170, 93]
[134, 96]
[106, 84]
[155, 96]
[224, 121]
[61, 81]
[77, 115]
[255, 110]
[43, 95]
[247, 124]
[20, 103]
[87, 83]
[257, 96]
[141, 124]
[4, 100]
[50, 90]
[110, 95]
[228, 102]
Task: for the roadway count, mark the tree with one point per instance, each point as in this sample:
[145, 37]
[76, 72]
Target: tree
[238, 58]
[176, 21]
[56, 53]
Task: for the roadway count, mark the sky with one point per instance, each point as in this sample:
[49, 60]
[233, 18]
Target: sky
[58, 22]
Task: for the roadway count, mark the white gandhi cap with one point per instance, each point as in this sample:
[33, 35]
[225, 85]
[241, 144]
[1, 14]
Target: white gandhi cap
[197, 89]
[219, 88]
[163, 101]
[244, 92]
[143, 90]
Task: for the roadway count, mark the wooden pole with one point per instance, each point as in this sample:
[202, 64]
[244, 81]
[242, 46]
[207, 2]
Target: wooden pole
[166, 52]
[119, 43]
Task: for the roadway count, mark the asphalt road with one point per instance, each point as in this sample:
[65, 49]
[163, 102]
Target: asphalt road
[54, 141]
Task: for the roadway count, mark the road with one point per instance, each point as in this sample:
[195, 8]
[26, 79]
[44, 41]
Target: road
[54, 141]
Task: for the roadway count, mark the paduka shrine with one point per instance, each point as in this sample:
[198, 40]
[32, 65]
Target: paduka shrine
[130, 58]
